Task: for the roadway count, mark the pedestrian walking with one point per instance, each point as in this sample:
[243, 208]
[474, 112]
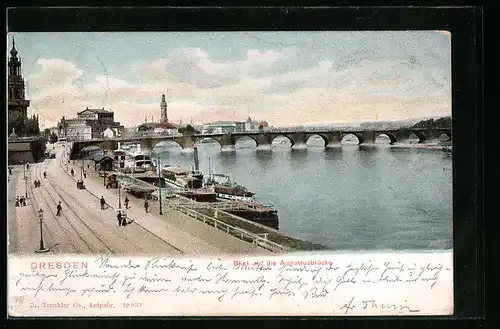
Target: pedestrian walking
[146, 206]
[88, 167]
[10, 171]
[72, 172]
[59, 209]
[23, 201]
[17, 202]
[39, 183]
[44, 174]
[84, 175]
[126, 202]
[119, 217]
[35, 183]
[103, 202]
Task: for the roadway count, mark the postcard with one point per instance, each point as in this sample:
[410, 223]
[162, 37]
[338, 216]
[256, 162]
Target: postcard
[230, 173]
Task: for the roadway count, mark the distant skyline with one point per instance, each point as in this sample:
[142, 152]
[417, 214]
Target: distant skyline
[286, 78]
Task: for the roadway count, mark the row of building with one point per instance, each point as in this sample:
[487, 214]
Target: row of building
[223, 127]
[99, 123]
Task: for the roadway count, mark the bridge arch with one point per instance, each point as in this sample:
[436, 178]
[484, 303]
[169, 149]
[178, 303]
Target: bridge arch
[346, 137]
[243, 138]
[420, 135]
[392, 138]
[325, 140]
[165, 142]
[283, 137]
[208, 142]
[445, 136]
[89, 151]
[77, 147]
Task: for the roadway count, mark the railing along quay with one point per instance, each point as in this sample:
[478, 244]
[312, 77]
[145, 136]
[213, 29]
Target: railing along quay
[185, 205]
[256, 239]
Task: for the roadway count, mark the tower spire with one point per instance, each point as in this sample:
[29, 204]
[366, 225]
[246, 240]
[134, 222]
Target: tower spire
[163, 107]
[13, 51]
[16, 87]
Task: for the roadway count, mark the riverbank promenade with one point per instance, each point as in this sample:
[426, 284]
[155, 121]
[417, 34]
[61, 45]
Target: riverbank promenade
[84, 228]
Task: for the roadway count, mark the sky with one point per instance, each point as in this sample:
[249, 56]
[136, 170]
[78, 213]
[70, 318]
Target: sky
[285, 78]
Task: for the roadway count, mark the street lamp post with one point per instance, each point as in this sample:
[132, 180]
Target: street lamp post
[25, 182]
[119, 196]
[159, 185]
[40, 218]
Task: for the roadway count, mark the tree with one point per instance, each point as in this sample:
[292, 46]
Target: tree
[30, 127]
[53, 138]
[46, 134]
[444, 122]
[188, 130]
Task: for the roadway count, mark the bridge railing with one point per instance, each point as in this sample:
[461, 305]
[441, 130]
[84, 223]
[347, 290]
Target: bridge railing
[255, 239]
[345, 130]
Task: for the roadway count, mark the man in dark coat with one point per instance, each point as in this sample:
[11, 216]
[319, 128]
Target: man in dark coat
[126, 202]
[146, 206]
[103, 202]
[59, 209]
[119, 217]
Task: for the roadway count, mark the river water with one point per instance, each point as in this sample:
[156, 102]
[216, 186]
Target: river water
[348, 197]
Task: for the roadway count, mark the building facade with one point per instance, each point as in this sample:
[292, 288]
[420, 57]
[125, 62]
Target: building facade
[225, 127]
[219, 127]
[111, 133]
[251, 124]
[89, 124]
[18, 105]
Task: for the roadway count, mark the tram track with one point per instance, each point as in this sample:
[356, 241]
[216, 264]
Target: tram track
[67, 225]
[49, 232]
[143, 230]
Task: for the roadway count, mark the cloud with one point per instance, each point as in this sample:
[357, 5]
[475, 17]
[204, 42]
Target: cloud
[268, 84]
[193, 66]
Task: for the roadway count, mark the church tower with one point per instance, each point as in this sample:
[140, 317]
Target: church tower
[163, 106]
[18, 105]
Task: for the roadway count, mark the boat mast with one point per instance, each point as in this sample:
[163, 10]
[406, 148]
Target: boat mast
[196, 164]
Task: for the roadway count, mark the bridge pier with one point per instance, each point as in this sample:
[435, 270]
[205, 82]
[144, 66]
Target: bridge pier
[109, 146]
[264, 141]
[147, 144]
[369, 137]
[227, 142]
[187, 142]
[333, 139]
[299, 139]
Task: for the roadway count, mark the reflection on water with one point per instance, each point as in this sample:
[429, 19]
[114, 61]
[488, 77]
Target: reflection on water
[350, 197]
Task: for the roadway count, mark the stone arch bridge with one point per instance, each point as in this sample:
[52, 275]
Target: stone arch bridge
[228, 141]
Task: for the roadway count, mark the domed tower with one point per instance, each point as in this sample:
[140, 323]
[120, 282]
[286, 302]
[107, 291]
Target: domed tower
[18, 105]
[163, 106]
